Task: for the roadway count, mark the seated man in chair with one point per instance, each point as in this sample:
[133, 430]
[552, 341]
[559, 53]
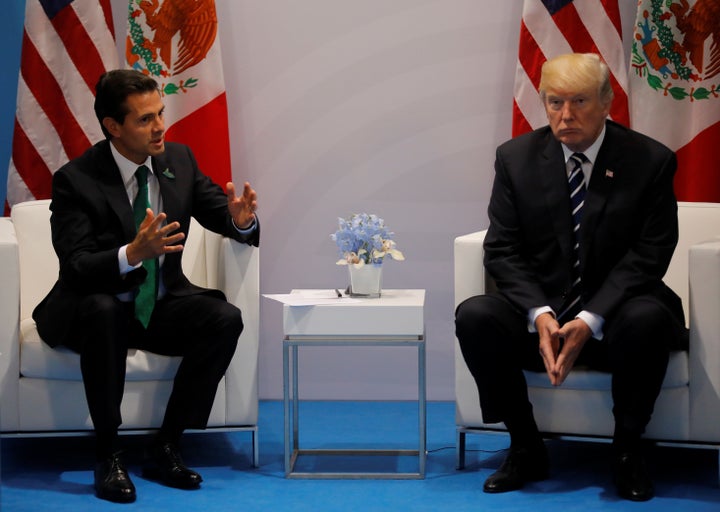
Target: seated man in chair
[120, 213]
[583, 224]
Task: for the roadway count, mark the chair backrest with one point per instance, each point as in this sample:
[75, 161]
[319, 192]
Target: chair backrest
[39, 264]
[698, 222]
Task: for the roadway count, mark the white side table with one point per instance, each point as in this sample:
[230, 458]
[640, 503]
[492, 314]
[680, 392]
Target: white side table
[394, 319]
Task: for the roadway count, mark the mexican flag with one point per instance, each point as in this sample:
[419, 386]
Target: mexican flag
[675, 88]
[176, 42]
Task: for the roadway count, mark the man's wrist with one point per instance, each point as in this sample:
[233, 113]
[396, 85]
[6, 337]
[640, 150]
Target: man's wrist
[245, 231]
[123, 262]
[534, 313]
[595, 322]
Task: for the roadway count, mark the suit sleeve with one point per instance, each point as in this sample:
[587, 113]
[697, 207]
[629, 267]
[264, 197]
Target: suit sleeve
[85, 243]
[638, 255]
[505, 248]
[209, 206]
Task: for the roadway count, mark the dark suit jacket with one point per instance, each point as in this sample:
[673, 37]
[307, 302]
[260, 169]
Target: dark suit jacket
[628, 234]
[92, 218]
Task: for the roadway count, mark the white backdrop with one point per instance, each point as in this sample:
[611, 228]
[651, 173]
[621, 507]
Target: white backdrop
[386, 107]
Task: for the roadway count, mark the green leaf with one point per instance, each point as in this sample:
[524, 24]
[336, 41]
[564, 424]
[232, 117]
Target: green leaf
[678, 93]
[654, 82]
[701, 94]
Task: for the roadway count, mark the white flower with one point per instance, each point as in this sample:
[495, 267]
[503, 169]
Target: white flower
[388, 248]
[351, 258]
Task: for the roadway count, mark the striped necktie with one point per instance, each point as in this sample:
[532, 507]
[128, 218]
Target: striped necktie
[576, 181]
[147, 293]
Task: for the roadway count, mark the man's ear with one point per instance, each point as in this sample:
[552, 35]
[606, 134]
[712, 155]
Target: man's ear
[111, 126]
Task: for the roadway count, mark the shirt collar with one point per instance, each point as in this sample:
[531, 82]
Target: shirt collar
[591, 152]
[128, 167]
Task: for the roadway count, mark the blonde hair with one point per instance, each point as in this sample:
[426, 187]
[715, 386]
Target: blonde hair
[572, 71]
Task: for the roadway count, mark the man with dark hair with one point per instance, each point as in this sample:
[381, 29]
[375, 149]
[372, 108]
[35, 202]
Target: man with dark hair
[120, 213]
[583, 224]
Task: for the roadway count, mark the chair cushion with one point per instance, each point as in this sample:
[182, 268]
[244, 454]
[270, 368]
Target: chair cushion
[38, 360]
[676, 376]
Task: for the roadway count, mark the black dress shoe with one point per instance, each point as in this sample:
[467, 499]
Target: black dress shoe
[521, 465]
[166, 465]
[631, 477]
[112, 481]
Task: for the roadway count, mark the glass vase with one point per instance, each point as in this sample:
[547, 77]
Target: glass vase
[365, 280]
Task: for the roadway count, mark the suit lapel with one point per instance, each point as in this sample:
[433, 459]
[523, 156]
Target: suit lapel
[112, 186]
[555, 190]
[167, 182]
[602, 181]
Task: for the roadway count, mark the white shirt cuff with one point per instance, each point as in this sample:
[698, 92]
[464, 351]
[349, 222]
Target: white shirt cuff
[536, 312]
[595, 322]
[123, 264]
[245, 231]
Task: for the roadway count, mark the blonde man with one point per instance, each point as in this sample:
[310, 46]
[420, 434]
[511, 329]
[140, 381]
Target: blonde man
[583, 223]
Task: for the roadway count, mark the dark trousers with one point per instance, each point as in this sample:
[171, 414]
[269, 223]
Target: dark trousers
[635, 348]
[202, 329]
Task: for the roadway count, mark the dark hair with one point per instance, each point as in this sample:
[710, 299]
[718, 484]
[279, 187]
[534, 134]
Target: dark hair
[112, 91]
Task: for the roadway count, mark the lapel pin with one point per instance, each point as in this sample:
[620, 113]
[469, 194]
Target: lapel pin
[609, 173]
[169, 175]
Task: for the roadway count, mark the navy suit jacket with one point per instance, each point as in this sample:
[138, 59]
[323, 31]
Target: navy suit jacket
[92, 218]
[627, 237]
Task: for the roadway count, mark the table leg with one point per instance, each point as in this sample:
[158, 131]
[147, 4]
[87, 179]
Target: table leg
[286, 405]
[422, 406]
[291, 397]
[296, 399]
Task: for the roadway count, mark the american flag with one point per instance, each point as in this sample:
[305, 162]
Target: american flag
[66, 46]
[553, 27]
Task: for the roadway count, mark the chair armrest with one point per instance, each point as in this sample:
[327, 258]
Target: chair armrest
[704, 355]
[470, 280]
[9, 325]
[470, 276]
[238, 276]
[212, 261]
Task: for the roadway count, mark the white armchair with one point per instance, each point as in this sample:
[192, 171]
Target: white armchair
[41, 390]
[688, 408]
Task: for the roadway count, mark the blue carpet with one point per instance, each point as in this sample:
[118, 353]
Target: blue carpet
[56, 473]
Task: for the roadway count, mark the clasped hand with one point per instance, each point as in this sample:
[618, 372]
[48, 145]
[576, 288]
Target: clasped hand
[560, 346]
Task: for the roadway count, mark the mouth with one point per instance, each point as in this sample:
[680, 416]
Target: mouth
[568, 131]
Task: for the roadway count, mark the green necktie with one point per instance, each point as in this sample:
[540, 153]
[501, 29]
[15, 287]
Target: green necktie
[145, 299]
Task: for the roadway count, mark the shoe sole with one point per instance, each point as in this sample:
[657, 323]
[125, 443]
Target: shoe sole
[155, 475]
[116, 499]
[538, 477]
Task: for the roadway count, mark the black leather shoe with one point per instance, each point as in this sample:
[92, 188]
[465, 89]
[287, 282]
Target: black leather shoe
[166, 466]
[112, 481]
[521, 465]
[631, 477]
